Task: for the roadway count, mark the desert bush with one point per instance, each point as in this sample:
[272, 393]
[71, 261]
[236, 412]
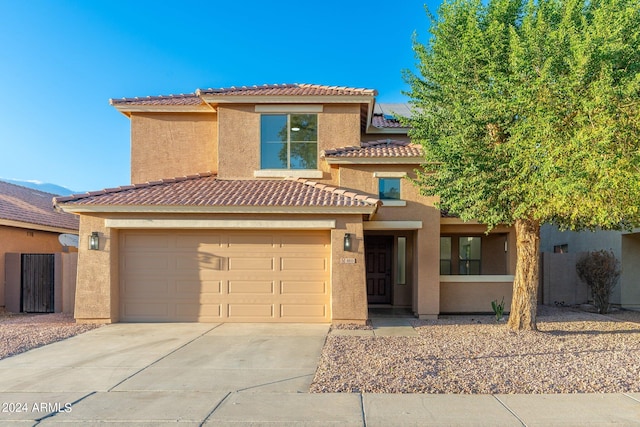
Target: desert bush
[600, 270]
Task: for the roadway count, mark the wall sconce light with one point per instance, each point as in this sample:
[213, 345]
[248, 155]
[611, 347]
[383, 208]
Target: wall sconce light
[347, 242]
[94, 241]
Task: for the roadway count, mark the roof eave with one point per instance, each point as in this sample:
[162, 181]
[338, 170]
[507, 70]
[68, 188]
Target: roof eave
[38, 227]
[378, 130]
[288, 99]
[81, 209]
[374, 160]
[127, 109]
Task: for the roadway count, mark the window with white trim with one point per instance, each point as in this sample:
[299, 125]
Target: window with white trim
[389, 188]
[289, 141]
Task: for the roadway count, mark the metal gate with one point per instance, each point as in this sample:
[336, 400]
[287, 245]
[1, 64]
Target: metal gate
[37, 283]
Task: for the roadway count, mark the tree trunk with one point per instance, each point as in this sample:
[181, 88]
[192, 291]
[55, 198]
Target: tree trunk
[525, 286]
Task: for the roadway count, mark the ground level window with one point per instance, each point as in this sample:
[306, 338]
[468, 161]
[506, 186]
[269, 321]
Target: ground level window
[561, 249]
[445, 255]
[469, 249]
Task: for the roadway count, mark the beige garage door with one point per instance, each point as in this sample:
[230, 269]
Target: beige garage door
[225, 276]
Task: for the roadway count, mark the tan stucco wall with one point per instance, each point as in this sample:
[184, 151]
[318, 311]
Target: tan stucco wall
[425, 246]
[21, 240]
[348, 280]
[169, 145]
[239, 136]
[97, 280]
[463, 297]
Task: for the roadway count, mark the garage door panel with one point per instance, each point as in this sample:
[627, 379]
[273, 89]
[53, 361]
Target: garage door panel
[250, 240]
[225, 276]
[146, 309]
[196, 262]
[200, 242]
[193, 288]
[143, 263]
[317, 311]
[195, 312]
[145, 241]
[250, 263]
[297, 264]
[142, 288]
[302, 243]
[250, 287]
[251, 311]
[303, 287]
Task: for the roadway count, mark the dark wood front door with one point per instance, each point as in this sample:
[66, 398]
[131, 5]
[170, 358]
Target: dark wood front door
[378, 251]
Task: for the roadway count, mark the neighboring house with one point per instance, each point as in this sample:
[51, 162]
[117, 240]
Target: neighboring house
[28, 224]
[624, 245]
[282, 203]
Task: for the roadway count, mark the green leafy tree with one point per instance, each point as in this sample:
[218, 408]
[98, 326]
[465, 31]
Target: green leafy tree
[528, 113]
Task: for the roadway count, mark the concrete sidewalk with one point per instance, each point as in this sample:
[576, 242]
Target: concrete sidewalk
[246, 374]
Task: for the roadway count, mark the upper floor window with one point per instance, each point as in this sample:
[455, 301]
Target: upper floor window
[389, 188]
[289, 141]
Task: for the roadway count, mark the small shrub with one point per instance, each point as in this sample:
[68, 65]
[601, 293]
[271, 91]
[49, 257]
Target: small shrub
[600, 270]
[498, 309]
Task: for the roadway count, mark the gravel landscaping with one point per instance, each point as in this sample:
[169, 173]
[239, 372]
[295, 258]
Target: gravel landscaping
[573, 352]
[20, 332]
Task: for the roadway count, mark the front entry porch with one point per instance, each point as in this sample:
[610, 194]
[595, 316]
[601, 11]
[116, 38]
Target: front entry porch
[388, 259]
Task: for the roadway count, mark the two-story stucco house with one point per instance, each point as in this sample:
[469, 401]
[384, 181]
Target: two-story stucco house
[276, 203]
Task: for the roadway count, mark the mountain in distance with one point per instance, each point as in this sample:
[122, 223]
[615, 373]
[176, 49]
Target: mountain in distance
[41, 186]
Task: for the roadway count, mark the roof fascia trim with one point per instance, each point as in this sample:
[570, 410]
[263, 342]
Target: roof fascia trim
[374, 160]
[397, 131]
[38, 227]
[127, 109]
[327, 224]
[79, 209]
[392, 225]
[287, 99]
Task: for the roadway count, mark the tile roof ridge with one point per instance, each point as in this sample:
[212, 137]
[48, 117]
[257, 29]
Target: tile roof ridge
[352, 194]
[122, 188]
[387, 141]
[364, 144]
[113, 101]
[359, 89]
[25, 188]
[245, 87]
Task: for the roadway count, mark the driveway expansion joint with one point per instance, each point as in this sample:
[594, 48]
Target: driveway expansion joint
[163, 357]
[509, 409]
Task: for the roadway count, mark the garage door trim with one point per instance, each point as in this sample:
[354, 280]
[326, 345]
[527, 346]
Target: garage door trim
[327, 224]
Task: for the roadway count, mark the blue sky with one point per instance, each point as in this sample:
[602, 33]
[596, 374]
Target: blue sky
[61, 61]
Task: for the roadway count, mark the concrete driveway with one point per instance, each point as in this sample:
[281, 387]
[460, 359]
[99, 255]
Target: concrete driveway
[154, 373]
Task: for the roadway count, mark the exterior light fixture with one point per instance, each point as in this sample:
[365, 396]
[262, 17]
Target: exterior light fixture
[347, 242]
[94, 241]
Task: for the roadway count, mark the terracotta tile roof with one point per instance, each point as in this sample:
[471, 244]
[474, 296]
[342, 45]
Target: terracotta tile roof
[205, 190]
[380, 121]
[296, 89]
[381, 148]
[182, 99]
[31, 206]
[264, 90]
[386, 115]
